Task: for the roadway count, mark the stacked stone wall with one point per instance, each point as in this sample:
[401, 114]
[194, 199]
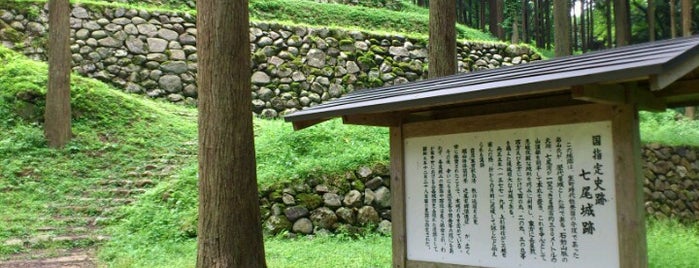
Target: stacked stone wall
[671, 182]
[361, 198]
[154, 53]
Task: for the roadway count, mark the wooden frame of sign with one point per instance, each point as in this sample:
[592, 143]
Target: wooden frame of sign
[427, 240]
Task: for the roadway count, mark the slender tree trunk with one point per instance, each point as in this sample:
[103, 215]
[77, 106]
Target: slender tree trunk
[57, 115]
[229, 234]
[608, 17]
[622, 22]
[515, 33]
[500, 17]
[481, 15]
[575, 32]
[493, 21]
[687, 8]
[442, 50]
[651, 20]
[673, 23]
[583, 31]
[525, 22]
[590, 26]
[561, 19]
[548, 24]
[538, 25]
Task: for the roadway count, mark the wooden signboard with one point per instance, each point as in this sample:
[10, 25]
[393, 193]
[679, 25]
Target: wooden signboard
[542, 188]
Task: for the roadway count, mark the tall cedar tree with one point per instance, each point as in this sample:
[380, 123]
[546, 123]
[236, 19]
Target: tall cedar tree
[496, 9]
[57, 114]
[442, 50]
[622, 22]
[229, 233]
[561, 19]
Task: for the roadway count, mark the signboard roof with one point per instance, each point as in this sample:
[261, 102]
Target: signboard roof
[659, 74]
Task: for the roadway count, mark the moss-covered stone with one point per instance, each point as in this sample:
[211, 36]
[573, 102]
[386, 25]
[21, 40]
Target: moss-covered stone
[377, 49]
[358, 185]
[308, 200]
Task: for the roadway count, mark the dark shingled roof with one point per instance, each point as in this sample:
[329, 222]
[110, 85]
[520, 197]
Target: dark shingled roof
[660, 63]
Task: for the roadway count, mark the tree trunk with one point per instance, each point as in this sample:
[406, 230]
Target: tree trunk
[57, 117]
[515, 33]
[229, 233]
[561, 32]
[525, 22]
[583, 33]
[622, 22]
[481, 15]
[608, 17]
[673, 23]
[547, 23]
[651, 20]
[590, 26]
[575, 33]
[687, 8]
[493, 18]
[442, 43]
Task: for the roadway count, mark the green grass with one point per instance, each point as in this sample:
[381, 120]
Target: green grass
[411, 21]
[318, 251]
[668, 128]
[415, 21]
[115, 136]
[672, 245]
[328, 148]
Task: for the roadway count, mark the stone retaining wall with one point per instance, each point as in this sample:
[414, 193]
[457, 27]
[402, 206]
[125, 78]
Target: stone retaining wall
[362, 198]
[671, 182]
[154, 53]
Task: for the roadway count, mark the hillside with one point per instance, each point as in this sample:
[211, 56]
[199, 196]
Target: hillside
[57, 200]
[409, 20]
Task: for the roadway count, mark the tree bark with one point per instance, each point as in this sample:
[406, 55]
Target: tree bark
[515, 33]
[673, 23]
[561, 19]
[538, 32]
[622, 22]
[651, 20]
[229, 234]
[525, 22]
[57, 115]
[481, 15]
[690, 111]
[575, 32]
[687, 8]
[442, 43]
[583, 33]
[608, 17]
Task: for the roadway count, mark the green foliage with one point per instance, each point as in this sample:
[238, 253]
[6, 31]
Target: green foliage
[672, 245]
[114, 136]
[414, 21]
[327, 148]
[669, 128]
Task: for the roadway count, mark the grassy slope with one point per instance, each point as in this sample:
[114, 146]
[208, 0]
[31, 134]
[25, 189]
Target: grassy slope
[412, 21]
[115, 136]
[118, 135]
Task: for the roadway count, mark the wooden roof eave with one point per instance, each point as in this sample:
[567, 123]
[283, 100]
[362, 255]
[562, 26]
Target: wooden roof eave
[675, 69]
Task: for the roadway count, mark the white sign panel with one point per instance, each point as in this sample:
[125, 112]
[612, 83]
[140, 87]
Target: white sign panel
[528, 197]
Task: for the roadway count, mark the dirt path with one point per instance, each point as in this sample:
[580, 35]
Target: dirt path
[78, 258]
